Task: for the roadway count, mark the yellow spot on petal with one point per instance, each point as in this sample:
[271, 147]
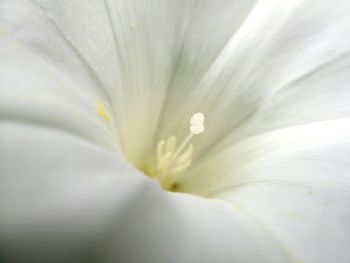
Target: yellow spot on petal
[101, 111]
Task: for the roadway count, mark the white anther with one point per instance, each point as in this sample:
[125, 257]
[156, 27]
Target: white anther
[197, 123]
[197, 117]
[197, 129]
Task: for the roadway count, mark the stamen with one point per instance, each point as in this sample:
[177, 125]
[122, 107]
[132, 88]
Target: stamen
[172, 161]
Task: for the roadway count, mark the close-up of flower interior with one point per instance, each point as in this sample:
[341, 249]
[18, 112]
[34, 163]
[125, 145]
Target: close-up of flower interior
[174, 131]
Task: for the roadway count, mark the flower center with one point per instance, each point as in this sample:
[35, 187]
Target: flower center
[172, 160]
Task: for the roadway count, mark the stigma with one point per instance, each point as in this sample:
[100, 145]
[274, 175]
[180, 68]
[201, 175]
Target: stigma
[172, 159]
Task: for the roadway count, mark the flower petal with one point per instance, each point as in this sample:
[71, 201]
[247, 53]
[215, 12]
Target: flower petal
[295, 180]
[63, 199]
[307, 70]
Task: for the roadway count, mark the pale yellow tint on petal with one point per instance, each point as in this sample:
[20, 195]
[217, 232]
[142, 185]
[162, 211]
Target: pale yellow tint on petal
[101, 111]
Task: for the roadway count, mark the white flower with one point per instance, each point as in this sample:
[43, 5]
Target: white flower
[88, 89]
